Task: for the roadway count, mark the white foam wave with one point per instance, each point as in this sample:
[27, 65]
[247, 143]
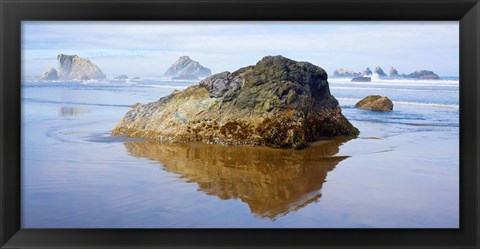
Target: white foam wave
[426, 104]
[392, 89]
[90, 82]
[410, 103]
[167, 79]
[396, 84]
[375, 77]
[166, 86]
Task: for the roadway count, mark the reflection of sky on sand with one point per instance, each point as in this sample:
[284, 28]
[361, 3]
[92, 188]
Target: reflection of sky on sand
[272, 182]
[71, 111]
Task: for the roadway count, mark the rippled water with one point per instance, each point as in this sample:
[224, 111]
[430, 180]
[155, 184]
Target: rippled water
[402, 171]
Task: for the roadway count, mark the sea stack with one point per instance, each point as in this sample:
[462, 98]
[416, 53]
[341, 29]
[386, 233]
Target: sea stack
[394, 73]
[423, 74]
[379, 72]
[344, 73]
[278, 102]
[74, 67]
[367, 72]
[49, 74]
[185, 67]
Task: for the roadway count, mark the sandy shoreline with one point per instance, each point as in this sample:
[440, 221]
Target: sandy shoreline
[77, 175]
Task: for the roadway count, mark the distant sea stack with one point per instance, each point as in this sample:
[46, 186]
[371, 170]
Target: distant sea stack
[367, 72]
[393, 73]
[344, 73]
[423, 74]
[362, 79]
[278, 102]
[186, 67]
[121, 77]
[379, 72]
[49, 74]
[74, 67]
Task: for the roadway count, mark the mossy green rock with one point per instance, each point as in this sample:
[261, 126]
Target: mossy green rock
[278, 102]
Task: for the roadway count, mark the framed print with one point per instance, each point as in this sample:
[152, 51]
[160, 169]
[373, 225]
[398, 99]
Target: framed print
[349, 124]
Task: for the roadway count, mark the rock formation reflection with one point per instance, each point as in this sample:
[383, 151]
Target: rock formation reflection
[71, 111]
[273, 182]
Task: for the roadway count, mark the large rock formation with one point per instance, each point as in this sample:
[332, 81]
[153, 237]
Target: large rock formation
[423, 74]
[185, 66]
[379, 72]
[344, 73]
[375, 103]
[74, 67]
[49, 74]
[278, 103]
[367, 72]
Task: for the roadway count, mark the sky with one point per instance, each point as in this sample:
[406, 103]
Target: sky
[147, 49]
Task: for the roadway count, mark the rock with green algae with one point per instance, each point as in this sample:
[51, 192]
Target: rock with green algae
[278, 102]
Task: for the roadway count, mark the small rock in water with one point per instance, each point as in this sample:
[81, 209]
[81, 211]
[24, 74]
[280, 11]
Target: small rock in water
[375, 103]
[121, 77]
[362, 79]
[49, 74]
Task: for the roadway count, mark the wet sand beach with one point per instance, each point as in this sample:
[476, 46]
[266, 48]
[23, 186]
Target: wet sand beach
[401, 172]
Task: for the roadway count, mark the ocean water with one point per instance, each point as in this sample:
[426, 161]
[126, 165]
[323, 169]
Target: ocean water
[401, 172]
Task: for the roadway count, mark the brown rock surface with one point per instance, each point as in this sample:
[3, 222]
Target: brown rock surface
[375, 103]
[278, 102]
[74, 67]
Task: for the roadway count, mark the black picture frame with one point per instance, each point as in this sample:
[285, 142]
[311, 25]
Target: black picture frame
[467, 12]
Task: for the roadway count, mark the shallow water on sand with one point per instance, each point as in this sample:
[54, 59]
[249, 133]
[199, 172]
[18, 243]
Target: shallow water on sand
[402, 171]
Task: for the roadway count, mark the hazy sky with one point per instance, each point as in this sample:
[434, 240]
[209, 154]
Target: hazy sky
[148, 48]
